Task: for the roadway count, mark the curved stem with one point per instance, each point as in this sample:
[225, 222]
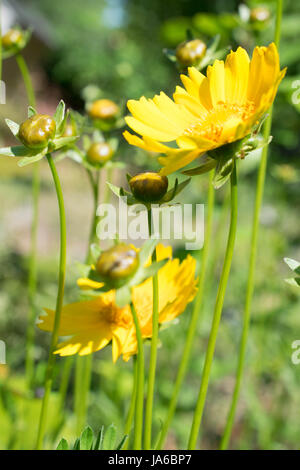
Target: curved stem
[252, 262]
[32, 274]
[139, 405]
[217, 315]
[153, 352]
[59, 303]
[130, 414]
[195, 314]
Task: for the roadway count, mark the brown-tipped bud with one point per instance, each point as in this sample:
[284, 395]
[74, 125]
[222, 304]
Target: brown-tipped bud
[13, 37]
[190, 52]
[259, 14]
[149, 186]
[103, 109]
[118, 263]
[37, 130]
[99, 153]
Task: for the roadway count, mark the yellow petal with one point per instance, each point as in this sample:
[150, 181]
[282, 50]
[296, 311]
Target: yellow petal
[216, 77]
[86, 284]
[236, 76]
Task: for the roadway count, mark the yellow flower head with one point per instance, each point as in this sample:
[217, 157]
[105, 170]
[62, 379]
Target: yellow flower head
[91, 325]
[210, 111]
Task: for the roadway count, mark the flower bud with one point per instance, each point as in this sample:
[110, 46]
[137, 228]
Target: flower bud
[99, 153]
[103, 109]
[118, 263]
[13, 37]
[149, 186]
[259, 14]
[37, 130]
[190, 52]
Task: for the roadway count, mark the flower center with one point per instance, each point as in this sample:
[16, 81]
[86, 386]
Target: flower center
[116, 316]
[225, 115]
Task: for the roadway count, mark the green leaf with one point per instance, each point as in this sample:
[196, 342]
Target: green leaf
[293, 281]
[149, 271]
[60, 142]
[223, 171]
[76, 445]
[63, 445]
[16, 151]
[109, 439]
[122, 442]
[14, 127]
[99, 441]
[204, 167]
[86, 439]
[120, 192]
[147, 250]
[123, 296]
[95, 251]
[29, 160]
[175, 190]
[59, 114]
[31, 111]
[293, 265]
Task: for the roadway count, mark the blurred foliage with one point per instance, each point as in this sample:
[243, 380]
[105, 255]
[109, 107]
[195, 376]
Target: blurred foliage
[117, 45]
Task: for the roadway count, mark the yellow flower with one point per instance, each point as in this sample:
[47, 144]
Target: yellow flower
[210, 111]
[91, 325]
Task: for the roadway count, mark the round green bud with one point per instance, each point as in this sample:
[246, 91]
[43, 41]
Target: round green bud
[103, 109]
[190, 52]
[12, 38]
[37, 130]
[148, 186]
[99, 153]
[118, 263]
[259, 14]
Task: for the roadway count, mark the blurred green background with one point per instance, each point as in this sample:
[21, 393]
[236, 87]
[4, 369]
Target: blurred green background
[116, 45]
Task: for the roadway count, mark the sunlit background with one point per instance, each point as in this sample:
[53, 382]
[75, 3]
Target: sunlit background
[77, 47]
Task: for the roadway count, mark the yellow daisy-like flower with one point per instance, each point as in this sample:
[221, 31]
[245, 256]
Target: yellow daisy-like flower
[210, 111]
[91, 325]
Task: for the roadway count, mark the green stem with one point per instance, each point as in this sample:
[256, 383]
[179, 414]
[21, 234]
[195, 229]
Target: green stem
[139, 405]
[84, 364]
[217, 315]
[27, 80]
[153, 352]
[59, 303]
[65, 378]
[32, 274]
[195, 314]
[130, 414]
[252, 262]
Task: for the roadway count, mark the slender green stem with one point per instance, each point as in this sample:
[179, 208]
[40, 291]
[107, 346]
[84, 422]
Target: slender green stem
[84, 364]
[217, 315]
[27, 80]
[59, 303]
[32, 274]
[252, 262]
[65, 378]
[195, 315]
[139, 405]
[153, 352]
[130, 414]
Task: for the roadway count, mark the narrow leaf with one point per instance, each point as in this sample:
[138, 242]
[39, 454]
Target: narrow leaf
[86, 439]
[14, 127]
[59, 113]
[63, 445]
[16, 151]
[109, 439]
